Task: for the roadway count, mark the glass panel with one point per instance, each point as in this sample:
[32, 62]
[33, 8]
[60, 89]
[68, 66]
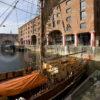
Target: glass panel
[90, 89]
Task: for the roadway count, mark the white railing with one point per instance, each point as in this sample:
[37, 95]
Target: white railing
[65, 50]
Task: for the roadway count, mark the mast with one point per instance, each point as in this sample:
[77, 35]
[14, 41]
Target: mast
[42, 36]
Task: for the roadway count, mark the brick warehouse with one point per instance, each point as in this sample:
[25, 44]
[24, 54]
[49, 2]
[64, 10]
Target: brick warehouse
[73, 22]
[29, 32]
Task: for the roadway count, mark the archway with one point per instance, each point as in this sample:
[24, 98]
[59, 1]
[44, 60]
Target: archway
[33, 40]
[55, 37]
[21, 41]
[84, 38]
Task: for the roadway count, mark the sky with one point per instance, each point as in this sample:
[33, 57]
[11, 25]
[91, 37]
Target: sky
[17, 17]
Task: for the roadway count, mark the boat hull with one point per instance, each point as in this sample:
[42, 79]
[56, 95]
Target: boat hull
[66, 85]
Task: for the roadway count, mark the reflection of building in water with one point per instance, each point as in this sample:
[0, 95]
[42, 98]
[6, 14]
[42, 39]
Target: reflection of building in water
[8, 39]
[28, 57]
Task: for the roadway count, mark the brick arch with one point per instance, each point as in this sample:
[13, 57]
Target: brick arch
[33, 39]
[55, 37]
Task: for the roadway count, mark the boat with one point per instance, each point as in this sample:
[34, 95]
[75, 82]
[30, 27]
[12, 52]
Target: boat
[58, 75]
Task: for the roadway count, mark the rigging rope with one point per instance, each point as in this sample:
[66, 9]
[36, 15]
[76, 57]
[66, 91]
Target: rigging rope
[9, 13]
[26, 14]
[17, 8]
[31, 9]
[30, 2]
[17, 18]
[6, 10]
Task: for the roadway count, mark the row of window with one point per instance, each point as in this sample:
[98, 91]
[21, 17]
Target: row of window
[68, 19]
[83, 14]
[55, 17]
[27, 28]
[82, 26]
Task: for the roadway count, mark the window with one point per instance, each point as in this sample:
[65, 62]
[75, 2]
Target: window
[53, 23]
[58, 14]
[83, 26]
[83, 15]
[68, 19]
[68, 28]
[68, 2]
[49, 25]
[83, 5]
[58, 21]
[68, 10]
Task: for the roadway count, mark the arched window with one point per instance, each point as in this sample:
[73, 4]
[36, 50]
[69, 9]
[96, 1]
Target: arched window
[55, 37]
[33, 40]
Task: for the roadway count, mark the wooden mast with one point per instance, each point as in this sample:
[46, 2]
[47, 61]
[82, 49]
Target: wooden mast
[42, 36]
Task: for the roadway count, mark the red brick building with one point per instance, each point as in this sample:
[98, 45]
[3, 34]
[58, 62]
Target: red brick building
[29, 32]
[72, 22]
[77, 21]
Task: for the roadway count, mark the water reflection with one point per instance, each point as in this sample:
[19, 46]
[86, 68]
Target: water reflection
[16, 61]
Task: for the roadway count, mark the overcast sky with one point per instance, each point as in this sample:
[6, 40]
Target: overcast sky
[17, 17]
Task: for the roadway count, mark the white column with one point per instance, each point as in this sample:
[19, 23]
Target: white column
[63, 40]
[93, 39]
[75, 40]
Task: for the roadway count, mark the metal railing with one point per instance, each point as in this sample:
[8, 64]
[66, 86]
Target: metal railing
[59, 49]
